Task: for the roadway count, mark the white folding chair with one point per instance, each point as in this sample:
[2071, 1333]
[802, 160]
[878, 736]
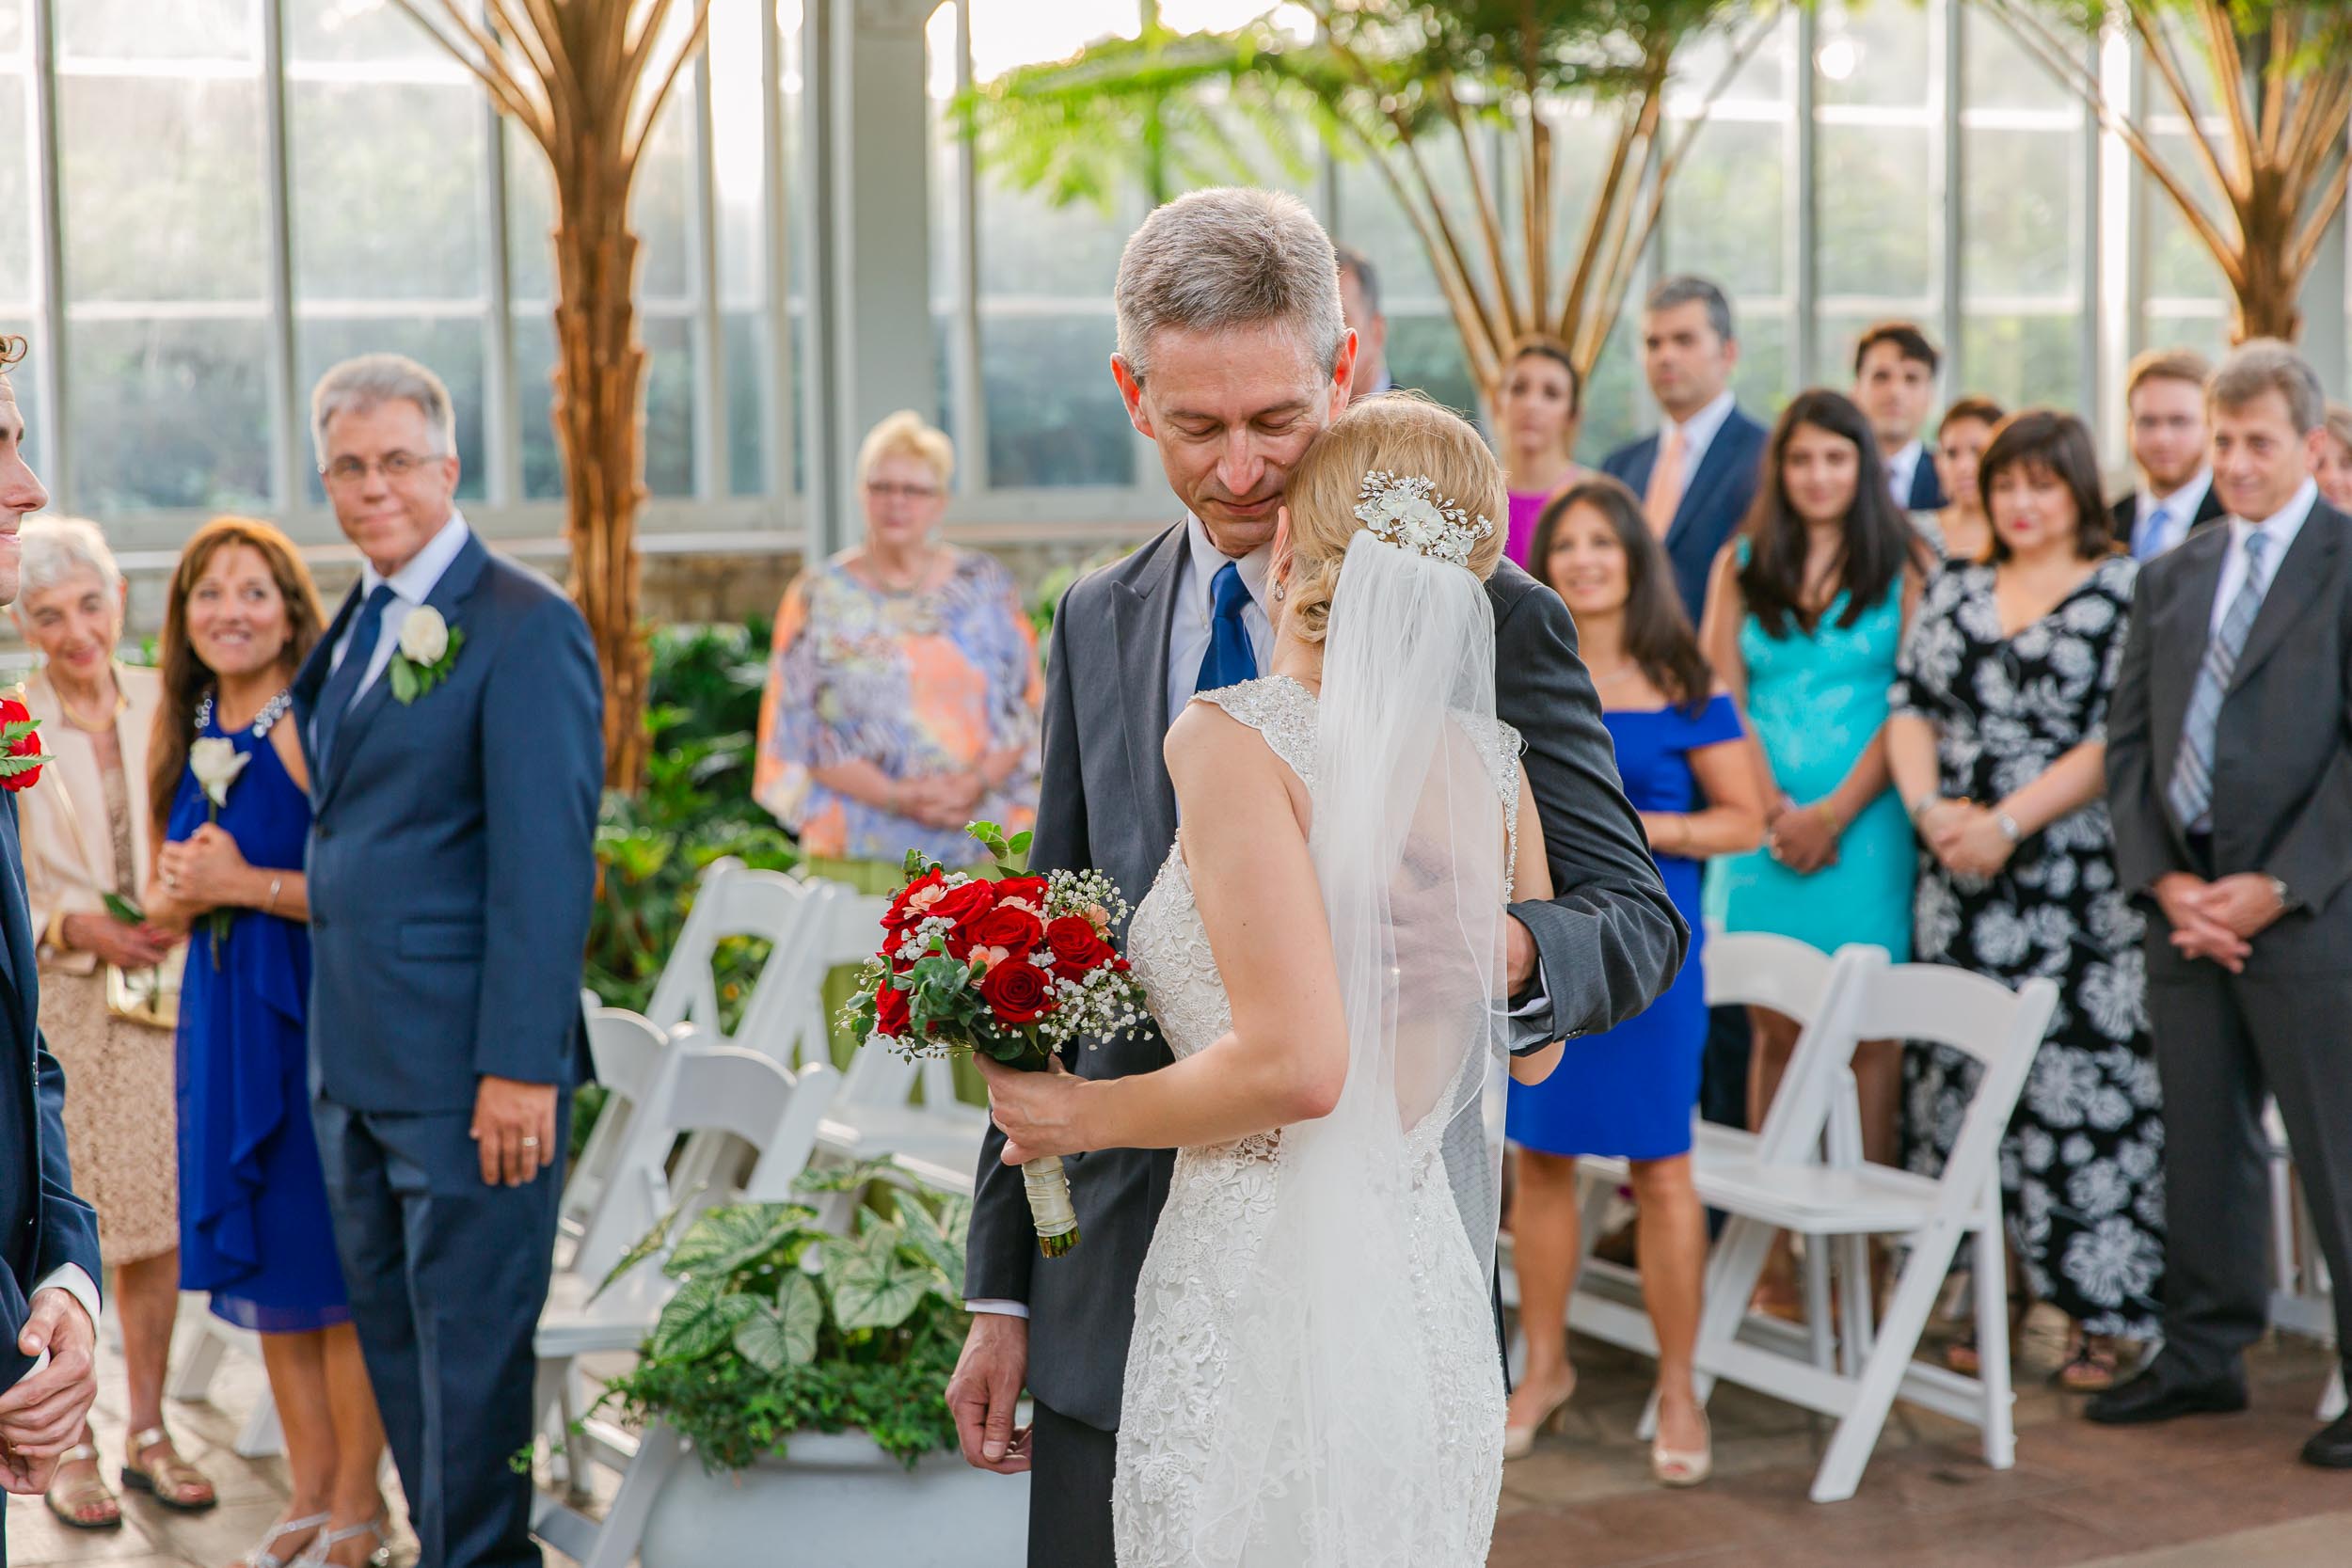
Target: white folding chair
[1786, 1187]
[733, 900]
[628, 1050]
[768, 1115]
[192, 1377]
[1751, 969]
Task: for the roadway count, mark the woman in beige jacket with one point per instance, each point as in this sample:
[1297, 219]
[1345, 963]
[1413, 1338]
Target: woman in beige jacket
[85, 829]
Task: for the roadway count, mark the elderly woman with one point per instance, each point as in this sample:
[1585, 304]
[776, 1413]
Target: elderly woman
[86, 837]
[904, 692]
[2334, 471]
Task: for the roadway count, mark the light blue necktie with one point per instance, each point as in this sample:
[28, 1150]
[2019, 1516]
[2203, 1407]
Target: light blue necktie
[1230, 660]
[2150, 541]
[2191, 790]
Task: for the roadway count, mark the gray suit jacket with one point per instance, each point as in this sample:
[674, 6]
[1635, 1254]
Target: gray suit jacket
[1610, 940]
[452, 854]
[2283, 752]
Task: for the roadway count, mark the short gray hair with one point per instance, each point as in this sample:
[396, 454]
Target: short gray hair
[357, 386]
[1689, 289]
[1367, 276]
[2266, 365]
[59, 549]
[1229, 257]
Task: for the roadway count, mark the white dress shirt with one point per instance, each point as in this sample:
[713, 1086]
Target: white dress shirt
[2280, 529]
[75, 1281]
[1196, 607]
[2179, 511]
[410, 585]
[1902, 470]
[1698, 434]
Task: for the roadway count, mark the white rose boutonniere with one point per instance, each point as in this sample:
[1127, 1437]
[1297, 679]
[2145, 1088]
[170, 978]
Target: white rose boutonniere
[215, 762]
[428, 646]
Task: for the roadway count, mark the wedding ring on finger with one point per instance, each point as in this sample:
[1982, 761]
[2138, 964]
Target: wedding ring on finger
[531, 1143]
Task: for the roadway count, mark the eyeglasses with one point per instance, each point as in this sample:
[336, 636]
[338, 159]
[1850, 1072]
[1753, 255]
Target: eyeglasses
[902, 492]
[394, 465]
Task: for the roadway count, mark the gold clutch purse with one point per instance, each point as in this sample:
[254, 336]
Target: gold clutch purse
[148, 996]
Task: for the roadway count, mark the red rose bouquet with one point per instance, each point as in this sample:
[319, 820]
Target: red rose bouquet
[21, 757]
[1016, 966]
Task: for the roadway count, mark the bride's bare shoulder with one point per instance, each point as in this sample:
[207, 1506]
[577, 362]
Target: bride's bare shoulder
[1206, 737]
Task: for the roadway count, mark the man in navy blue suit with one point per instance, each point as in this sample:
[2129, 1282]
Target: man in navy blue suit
[1696, 476]
[2171, 441]
[49, 1267]
[453, 715]
[1894, 385]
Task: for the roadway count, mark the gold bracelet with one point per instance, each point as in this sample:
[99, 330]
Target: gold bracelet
[1830, 817]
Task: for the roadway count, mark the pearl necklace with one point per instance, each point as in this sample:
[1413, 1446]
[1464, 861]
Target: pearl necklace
[271, 712]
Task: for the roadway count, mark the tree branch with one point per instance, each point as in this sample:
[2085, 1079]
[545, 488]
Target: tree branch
[490, 69]
[2229, 71]
[634, 146]
[1482, 198]
[2306, 247]
[2236, 191]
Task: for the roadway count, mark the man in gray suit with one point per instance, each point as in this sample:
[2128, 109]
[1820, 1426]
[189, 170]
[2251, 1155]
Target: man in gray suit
[2230, 778]
[1233, 357]
[452, 717]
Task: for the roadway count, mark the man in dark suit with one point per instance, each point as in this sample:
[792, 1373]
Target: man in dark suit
[1211, 281]
[2230, 781]
[2164, 392]
[1894, 385]
[1359, 307]
[1696, 476]
[49, 1266]
[452, 717]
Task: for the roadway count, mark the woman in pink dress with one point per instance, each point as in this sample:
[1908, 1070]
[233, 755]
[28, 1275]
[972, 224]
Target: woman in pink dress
[1536, 415]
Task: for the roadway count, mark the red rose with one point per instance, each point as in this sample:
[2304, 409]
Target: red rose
[1029, 890]
[962, 904]
[1016, 932]
[15, 712]
[1017, 992]
[892, 1014]
[903, 912]
[1078, 947]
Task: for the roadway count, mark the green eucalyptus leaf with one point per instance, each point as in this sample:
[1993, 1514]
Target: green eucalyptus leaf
[783, 1333]
[403, 676]
[123, 910]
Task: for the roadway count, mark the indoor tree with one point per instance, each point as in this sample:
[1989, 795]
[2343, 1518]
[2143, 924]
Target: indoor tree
[2261, 188]
[1458, 105]
[587, 80]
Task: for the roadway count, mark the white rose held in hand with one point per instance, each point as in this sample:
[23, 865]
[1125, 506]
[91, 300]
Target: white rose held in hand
[424, 636]
[215, 762]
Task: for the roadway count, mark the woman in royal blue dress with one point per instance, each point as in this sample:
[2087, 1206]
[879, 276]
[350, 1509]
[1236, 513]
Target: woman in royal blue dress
[1631, 1092]
[254, 1226]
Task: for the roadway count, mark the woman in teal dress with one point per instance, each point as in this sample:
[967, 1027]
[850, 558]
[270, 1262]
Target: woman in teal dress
[1805, 613]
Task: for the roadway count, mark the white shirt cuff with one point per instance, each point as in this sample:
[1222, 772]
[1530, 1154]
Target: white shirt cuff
[75, 1281]
[1001, 1308]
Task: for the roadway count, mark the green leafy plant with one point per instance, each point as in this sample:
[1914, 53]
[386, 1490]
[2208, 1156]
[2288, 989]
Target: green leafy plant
[780, 1326]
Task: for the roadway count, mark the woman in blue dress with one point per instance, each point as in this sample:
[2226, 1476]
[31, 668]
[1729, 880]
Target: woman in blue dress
[254, 1226]
[1631, 1092]
[1805, 613]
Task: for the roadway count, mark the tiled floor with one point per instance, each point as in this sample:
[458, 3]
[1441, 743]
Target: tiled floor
[2210, 1492]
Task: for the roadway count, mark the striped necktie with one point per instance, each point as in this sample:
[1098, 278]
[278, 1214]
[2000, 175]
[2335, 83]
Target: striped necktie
[2191, 790]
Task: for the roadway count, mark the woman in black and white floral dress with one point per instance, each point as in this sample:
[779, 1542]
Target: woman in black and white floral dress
[1997, 744]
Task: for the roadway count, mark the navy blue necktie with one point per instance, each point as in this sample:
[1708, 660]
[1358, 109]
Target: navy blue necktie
[343, 684]
[1230, 660]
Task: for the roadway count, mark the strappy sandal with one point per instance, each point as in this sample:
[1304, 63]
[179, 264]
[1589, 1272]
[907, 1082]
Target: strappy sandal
[69, 1499]
[2091, 1367]
[261, 1556]
[171, 1481]
[318, 1553]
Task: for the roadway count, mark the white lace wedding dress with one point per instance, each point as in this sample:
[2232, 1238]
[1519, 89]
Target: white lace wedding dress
[1194, 1356]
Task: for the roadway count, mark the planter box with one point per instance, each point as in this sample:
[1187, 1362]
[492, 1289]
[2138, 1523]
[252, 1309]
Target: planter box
[840, 1502]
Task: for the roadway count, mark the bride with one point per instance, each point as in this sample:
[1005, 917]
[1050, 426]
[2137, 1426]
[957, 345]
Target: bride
[1313, 1379]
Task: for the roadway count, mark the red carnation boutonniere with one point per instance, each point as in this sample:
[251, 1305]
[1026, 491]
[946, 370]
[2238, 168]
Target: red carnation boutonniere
[21, 765]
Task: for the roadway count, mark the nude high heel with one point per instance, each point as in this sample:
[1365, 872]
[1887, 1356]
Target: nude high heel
[1519, 1441]
[1685, 1466]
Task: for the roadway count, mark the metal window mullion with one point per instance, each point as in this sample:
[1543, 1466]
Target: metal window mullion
[776, 364]
[1952, 32]
[963, 345]
[1804, 217]
[49, 250]
[284, 364]
[708, 337]
[2116, 243]
[502, 414]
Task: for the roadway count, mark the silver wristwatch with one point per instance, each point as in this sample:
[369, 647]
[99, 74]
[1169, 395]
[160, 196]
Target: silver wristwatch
[2008, 825]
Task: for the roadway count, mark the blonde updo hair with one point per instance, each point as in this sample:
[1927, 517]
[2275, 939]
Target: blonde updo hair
[1399, 433]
